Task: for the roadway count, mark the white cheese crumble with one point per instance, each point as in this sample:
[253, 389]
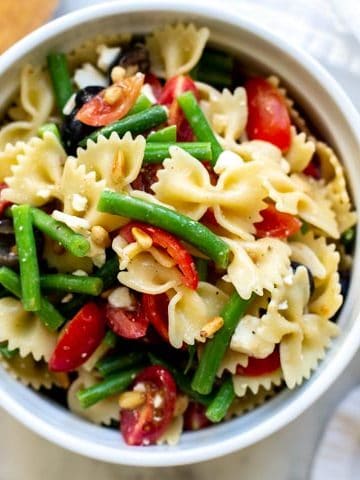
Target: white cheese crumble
[107, 56]
[79, 202]
[140, 387]
[75, 223]
[69, 105]
[121, 298]
[88, 75]
[148, 92]
[158, 400]
[80, 273]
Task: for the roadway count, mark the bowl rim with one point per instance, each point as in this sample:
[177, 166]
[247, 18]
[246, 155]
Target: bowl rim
[136, 456]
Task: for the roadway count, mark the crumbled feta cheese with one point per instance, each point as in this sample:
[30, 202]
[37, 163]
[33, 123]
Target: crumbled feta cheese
[140, 387]
[79, 202]
[148, 92]
[107, 56]
[69, 105]
[80, 273]
[121, 298]
[283, 305]
[75, 223]
[226, 160]
[88, 75]
[158, 400]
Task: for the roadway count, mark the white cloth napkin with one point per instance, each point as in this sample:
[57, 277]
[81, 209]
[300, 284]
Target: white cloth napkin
[338, 455]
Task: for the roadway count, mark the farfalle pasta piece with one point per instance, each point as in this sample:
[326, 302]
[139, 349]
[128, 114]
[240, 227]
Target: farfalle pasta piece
[190, 310]
[36, 102]
[33, 374]
[36, 175]
[64, 262]
[300, 152]
[172, 434]
[263, 263]
[183, 169]
[230, 362]
[333, 173]
[264, 152]
[303, 336]
[176, 49]
[244, 384]
[144, 274]
[24, 331]
[101, 413]
[115, 160]
[246, 342]
[8, 158]
[248, 402]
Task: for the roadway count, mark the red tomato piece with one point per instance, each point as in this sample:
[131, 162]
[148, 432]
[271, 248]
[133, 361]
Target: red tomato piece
[4, 204]
[172, 246]
[269, 118]
[276, 224]
[260, 366]
[156, 310]
[146, 424]
[155, 84]
[174, 87]
[79, 339]
[195, 418]
[126, 323]
[100, 111]
[147, 177]
[312, 170]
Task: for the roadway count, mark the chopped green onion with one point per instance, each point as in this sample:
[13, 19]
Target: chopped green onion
[157, 152]
[60, 78]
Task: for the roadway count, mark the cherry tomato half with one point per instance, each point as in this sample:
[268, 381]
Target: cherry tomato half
[98, 111]
[79, 339]
[268, 115]
[260, 366]
[276, 224]
[126, 323]
[173, 247]
[156, 310]
[146, 424]
[195, 418]
[174, 87]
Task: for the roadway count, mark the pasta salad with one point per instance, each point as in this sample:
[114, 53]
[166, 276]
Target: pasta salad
[175, 241]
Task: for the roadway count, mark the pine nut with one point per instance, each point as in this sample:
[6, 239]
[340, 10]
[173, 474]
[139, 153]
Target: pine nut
[131, 400]
[211, 327]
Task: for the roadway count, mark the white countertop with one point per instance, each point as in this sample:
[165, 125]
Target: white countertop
[286, 455]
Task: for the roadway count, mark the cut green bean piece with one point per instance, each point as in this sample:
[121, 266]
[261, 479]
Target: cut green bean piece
[117, 362]
[216, 60]
[58, 231]
[6, 352]
[49, 127]
[111, 385]
[214, 77]
[348, 237]
[199, 124]
[218, 408]
[60, 78]
[109, 271]
[142, 103]
[202, 268]
[48, 314]
[72, 283]
[29, 267]
[215, 348]
[165, 135]
[182, 381]
[110, 339]
[157, 152]
[159, 216]
[136, 124]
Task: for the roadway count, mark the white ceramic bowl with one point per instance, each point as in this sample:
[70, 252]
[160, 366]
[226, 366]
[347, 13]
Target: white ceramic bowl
[331, 112]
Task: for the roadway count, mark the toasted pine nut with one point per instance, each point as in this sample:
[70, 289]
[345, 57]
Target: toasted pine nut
[100, 236]
[163, 258]
[142, 238]
[118, 167]
[106, 293]
[131, 400]
[212, 327]
[181, 404]
[113, 94]
[117, 74]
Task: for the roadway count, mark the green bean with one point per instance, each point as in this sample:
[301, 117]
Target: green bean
[29, 267]
[72, 283]
[48, 314]
[214, 68]
[58, 231]
[118, 362]
[110, 339]
[165, 135]
[49, 127]
[202, 268]
[180, 225]
[216, 60]
[348, 237]
[213, 77]
[157, 152]
[199, 124]
[111, 385]
[137, 123]
[182, 381]
[218, 408]
[215, 348]
[141, 104]
[109, 271]
[60, 78]
[5, 352]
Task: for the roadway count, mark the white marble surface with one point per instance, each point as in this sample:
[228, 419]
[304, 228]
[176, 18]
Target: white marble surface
[288, 454]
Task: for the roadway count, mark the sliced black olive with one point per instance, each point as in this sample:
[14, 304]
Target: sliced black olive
[295, 265]
[135, 53]
[72, 130]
